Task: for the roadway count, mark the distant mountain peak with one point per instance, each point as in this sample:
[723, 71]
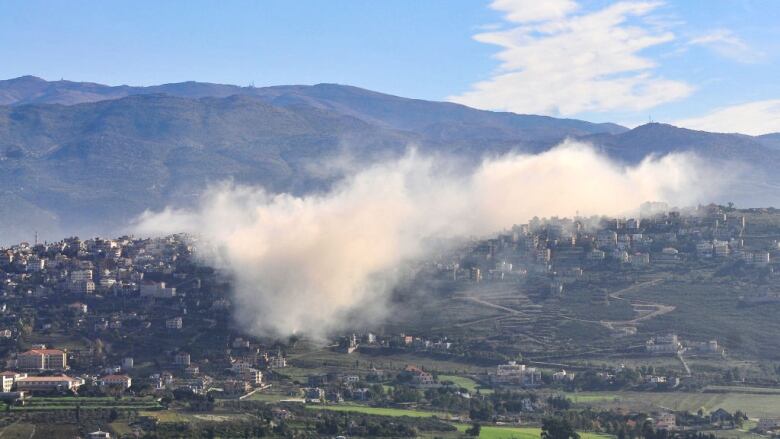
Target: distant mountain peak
[26, 78]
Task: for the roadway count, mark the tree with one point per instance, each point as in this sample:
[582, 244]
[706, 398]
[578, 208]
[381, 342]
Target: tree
[558, 428]
[474, 430]
[739, 418]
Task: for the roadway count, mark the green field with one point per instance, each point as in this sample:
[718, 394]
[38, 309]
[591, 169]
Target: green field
[707, 309]
[497, 432]
[271, 397]
[592, 397]
[754, 404]
[379, 411]
[465, 383]
[121, 428]
[742, 389]
[167, 416]
[70, 403]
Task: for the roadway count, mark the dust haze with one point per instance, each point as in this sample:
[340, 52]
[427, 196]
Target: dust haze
[310, 264]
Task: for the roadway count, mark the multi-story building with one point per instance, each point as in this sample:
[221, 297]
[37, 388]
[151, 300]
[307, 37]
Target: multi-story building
[122, 381]
[182, 359]
[156, 290]
[42, 359]
[81, 282]
[253, 376]
[48, 383]
[418, 376]
[666, 344]
[174, 323]
[9, 378]
[517, 374]
[277, 362]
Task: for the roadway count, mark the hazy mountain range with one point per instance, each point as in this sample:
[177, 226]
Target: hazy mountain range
[86, 158]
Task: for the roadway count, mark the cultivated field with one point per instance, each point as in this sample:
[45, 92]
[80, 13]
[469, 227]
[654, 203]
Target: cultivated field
[755, 405]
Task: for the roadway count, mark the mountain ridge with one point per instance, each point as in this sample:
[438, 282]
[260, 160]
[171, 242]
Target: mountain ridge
[90, 167]
[27, 90]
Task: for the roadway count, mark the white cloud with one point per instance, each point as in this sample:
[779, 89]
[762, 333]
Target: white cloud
[523, 11]
[558, 62]
[754, 118]
[728, 45]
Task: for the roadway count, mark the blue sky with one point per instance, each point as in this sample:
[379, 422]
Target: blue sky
[704, 64]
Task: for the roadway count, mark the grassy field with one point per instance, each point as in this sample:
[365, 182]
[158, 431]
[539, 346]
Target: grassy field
[591, 397]
[707, 309]
[70, 402]
[167, 416]
[272, 397]
[121, 428]
[38, 431]
[18, 431]
[742, 389]
[497, 432]
[755, 405]
[465, 383]
[379, 411]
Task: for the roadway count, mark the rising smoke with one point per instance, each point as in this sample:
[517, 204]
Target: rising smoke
[304, 264]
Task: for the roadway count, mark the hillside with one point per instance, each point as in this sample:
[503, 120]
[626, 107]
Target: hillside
[110, 160]
[86, 158]
[660, 139]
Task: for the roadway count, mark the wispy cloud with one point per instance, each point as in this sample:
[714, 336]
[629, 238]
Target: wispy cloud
[754, 118]
[728, 45]
[524, 11]
[557, 61]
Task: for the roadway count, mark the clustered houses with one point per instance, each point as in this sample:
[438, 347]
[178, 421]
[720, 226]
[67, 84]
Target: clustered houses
[135, 295]
[95, 291]
[337, 387]
[93, 266]
[564, 250]
[369, 340]
[50, 365]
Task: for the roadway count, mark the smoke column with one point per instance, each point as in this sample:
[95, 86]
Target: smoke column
[303, 264]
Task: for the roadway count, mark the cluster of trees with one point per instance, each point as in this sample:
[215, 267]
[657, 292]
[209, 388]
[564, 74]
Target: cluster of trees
[253, 428]
[637, 426]
[622, 379]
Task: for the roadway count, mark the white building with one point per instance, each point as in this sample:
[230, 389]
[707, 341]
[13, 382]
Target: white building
[174, 323]
[704, 249]
[182, 359]
[277, 362]
[666, 344]
[122, 381]
[606, 239]
[517, 374]
[9, 378]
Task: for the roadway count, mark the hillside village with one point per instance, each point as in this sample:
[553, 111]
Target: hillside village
[141, 321]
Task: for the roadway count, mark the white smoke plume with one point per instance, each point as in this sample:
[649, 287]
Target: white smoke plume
[306, 264]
